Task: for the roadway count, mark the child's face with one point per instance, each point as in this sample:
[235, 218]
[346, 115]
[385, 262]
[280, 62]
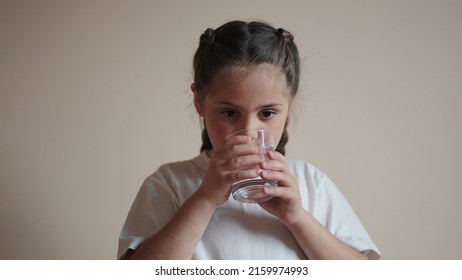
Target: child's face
[255, 98]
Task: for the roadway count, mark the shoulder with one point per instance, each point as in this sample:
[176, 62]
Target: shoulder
[177, 179]
[184, 168]
[305, 170]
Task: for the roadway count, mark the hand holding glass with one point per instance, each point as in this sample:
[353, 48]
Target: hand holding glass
[251, 190]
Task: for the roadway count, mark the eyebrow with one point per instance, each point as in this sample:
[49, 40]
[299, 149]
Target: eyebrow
[228, 103]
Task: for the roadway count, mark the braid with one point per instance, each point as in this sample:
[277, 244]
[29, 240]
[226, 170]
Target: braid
[285, 35]
[290, 60]
[207, 37]
[206, 143]
[281, 148]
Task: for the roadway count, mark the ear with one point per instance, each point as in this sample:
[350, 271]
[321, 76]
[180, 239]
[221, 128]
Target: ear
[197, 100]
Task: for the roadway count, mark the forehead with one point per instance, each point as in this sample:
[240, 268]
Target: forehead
[251, 77]
[252, 69]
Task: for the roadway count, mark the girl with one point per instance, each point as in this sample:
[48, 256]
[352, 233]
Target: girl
[246, 75]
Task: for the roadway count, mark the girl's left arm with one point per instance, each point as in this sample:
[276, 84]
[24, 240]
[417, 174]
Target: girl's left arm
[317, 242]
[314, 239]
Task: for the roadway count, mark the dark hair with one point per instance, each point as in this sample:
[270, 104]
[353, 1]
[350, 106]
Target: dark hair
[239, 43]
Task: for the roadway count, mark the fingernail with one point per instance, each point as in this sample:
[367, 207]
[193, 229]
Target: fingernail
[267, 190]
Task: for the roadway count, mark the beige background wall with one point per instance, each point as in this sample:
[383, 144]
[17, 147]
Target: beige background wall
[94, 97]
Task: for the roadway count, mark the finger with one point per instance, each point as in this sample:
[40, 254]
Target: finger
[232, 154]
[232, 141]
[283, 193]
[236, 140]
[231, 157]
[274, 155]
[275, 161]
[245, 162]
[283, 179]
[274, 165]
[241, 175]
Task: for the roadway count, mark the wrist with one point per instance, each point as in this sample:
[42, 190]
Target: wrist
[202, 198]
[296, 218]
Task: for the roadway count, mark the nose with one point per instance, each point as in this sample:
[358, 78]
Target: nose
[251, 122]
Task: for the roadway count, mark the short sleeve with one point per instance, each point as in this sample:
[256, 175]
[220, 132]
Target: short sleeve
[334, 211]
[324, 200]
[154, 205]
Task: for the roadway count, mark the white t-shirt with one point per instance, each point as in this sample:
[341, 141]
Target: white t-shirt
[241, 230]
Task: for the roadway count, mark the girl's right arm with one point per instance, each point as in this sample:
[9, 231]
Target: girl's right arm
[180, 236]
[178, 239]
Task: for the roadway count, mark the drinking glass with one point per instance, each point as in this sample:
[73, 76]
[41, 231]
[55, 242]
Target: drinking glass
[250, 190]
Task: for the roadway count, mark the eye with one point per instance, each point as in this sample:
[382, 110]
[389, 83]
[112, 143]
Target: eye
[267, 114]
[229, 113]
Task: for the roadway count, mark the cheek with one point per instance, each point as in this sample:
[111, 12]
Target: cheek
[277, 138]
[279, 130]
[217, 133]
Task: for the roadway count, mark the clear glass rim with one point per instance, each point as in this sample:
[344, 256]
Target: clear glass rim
[257, 130]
